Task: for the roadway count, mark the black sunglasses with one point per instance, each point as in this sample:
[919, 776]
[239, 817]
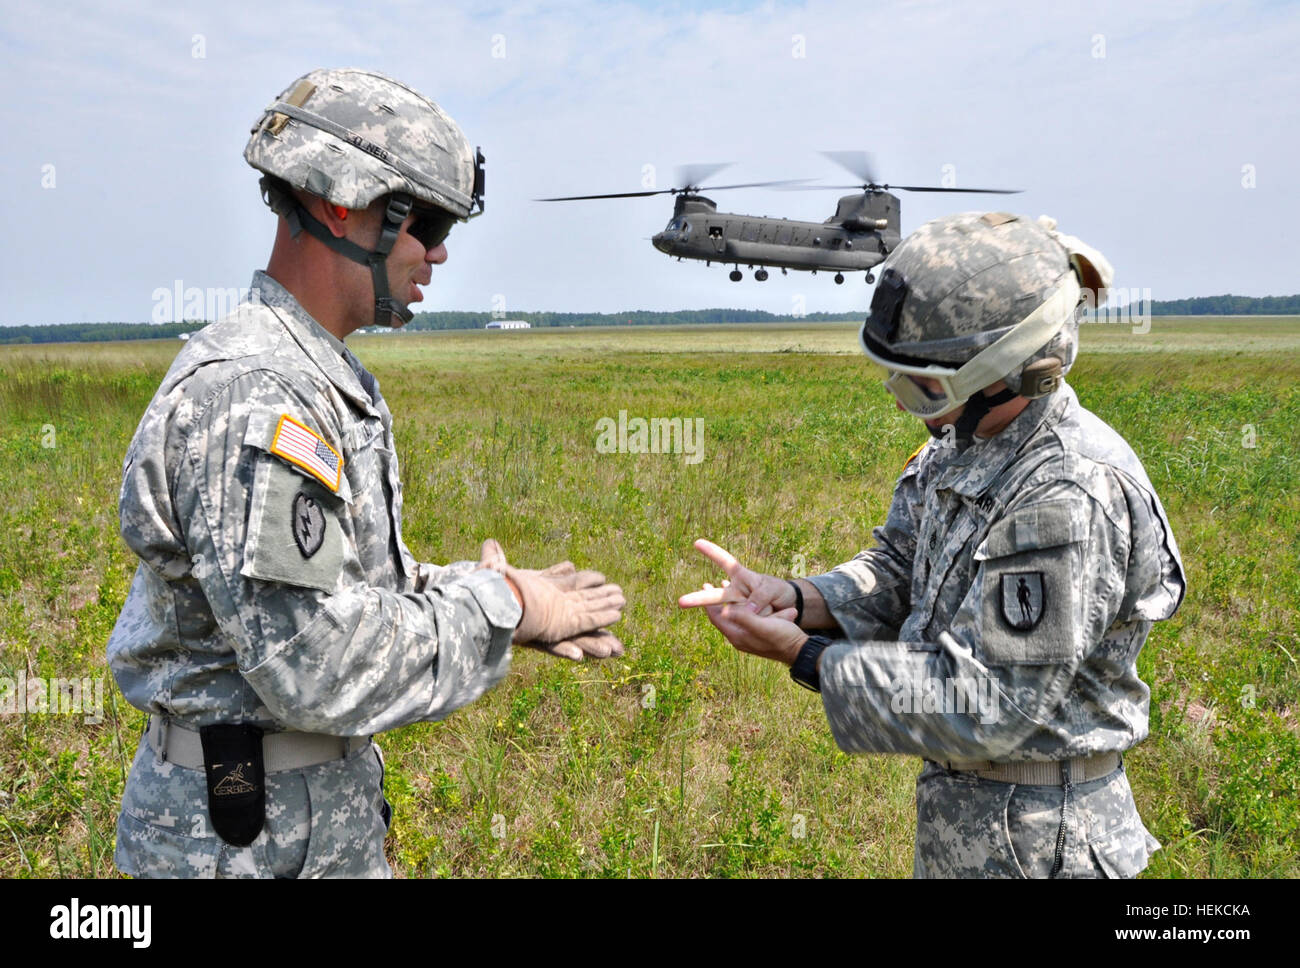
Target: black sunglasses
[431, 226]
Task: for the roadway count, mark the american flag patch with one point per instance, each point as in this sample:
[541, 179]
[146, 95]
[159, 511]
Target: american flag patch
[303, 447]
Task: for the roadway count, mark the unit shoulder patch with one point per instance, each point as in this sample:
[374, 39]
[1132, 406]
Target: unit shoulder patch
[303, 447]
[308, 524]
[1023, 598]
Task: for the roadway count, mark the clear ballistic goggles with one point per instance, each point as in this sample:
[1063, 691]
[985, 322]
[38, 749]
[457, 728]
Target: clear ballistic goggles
[957, 385]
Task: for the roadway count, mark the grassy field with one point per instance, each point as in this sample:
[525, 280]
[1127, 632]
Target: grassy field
[684, 758]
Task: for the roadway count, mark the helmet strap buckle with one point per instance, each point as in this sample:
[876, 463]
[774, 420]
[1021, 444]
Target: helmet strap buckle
[387, 309]
[1041, 378]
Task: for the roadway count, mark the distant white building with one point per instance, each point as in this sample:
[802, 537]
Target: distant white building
[509, 324]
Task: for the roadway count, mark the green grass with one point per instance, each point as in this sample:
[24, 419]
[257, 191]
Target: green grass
[683, 758]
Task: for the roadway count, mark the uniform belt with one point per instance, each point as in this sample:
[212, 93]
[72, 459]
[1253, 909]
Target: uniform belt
[1040, 773]
[289, 750]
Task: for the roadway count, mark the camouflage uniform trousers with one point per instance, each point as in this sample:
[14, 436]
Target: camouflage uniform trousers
[969, 827]
[328, 820]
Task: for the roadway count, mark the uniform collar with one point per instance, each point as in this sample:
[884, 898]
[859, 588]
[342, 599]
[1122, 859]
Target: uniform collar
[325, 349]
[971, 472]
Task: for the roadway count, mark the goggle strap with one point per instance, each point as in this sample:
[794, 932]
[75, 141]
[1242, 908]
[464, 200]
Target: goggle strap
[1024, 339]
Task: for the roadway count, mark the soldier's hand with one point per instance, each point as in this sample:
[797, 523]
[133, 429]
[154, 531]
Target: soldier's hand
[492, 555]
[772, 637]
[568, 609]
[598, 643]
[768, 593]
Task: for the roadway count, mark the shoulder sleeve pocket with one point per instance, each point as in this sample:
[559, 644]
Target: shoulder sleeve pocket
[294, 532]
[1031, 568]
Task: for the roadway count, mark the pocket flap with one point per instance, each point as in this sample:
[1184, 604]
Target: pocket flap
[1040, 526]
[1125, 853]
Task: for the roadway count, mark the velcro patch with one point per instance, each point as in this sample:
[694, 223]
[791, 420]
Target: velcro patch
[1038, 526]
[1030, 610]
[293, 536]
[303, 447]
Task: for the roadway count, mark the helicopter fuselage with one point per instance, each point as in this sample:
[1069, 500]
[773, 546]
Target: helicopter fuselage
[862, 232]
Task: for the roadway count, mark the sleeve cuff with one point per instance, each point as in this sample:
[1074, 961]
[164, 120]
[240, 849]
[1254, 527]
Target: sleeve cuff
[429, 574]
[493, 596]
[842, 593]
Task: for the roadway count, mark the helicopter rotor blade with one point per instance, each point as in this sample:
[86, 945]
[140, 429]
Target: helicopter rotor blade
[858, 163]
[685, 190]
[902, 188]
[762, 184]
[981, 191]
[691, 175]
[817, 188]
[579, 198]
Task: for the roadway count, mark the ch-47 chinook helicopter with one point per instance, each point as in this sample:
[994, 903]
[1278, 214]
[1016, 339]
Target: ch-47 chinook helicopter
[863, 230]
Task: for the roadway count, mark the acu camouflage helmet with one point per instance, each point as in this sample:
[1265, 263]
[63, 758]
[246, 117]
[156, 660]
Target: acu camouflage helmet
[351, 137]
[975, 298]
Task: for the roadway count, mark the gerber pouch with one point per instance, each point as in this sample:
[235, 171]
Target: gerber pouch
[232, 760]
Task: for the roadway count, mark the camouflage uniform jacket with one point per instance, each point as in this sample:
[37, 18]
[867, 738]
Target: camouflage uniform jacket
[274, 586]
[1000, 614]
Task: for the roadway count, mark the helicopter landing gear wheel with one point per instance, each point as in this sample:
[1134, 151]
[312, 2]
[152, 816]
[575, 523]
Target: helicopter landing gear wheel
[839, 278]
[761, 275]
[734, 275]
[870, 278]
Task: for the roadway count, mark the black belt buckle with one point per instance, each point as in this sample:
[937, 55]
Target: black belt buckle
[232, 760]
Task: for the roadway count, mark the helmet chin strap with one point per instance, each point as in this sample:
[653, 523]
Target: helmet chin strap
[977, 408]
[387, 309]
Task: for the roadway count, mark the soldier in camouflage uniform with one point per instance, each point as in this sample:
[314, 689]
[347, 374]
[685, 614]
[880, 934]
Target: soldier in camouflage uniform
[277, 619]
[994, 627]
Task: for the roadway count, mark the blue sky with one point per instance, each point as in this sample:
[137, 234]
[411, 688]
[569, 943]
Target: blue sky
[1136, 126]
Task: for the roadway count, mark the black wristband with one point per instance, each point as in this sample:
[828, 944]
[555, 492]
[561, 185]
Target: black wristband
[798, 601]
[804, 668]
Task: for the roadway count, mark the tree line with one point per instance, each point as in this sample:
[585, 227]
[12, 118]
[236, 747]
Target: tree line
[1226, 305]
